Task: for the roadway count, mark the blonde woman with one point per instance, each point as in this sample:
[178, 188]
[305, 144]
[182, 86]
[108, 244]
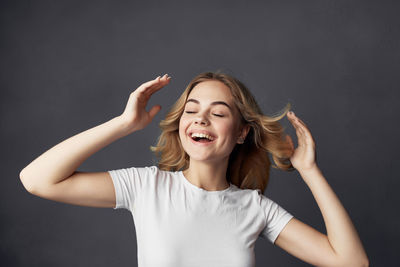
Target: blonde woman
[203, 205]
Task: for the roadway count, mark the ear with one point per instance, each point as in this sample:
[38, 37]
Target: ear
[243, 133]
[245, 130]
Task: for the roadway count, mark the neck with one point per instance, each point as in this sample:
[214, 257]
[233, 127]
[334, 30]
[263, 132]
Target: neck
[209, 176]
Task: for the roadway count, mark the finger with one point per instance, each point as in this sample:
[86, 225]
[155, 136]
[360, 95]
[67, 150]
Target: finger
[141, 91]
[299, 132]
[149, 83]
[144, 86]
[297, 123]
[163, 82]
[297, 119]
[302, 123]
[305, 137]
[154, 82]
[154, 110]
[300, 137]
[292, 118]
[304, 129]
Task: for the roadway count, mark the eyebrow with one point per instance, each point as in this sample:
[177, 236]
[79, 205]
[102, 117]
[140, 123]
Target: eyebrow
[213, 103]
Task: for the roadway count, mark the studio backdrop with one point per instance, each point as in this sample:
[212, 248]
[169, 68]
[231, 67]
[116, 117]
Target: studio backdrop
[67, 66]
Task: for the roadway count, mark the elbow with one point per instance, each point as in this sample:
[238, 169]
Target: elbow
[26, 182]
[21, 173]
[363, 262]
[22, 179]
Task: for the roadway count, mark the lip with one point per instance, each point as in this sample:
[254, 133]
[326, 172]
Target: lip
[201, 144]
[203, 132]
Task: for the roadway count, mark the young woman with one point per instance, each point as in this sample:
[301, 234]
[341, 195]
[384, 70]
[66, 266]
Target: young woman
[203, 205]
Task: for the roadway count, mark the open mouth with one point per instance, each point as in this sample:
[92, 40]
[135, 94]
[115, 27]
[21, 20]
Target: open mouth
[202, 138]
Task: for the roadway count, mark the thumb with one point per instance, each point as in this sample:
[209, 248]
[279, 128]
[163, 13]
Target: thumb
[154, 110]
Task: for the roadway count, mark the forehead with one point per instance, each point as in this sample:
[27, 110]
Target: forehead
[212, 91]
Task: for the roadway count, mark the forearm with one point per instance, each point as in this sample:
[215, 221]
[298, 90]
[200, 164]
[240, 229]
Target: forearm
[341, 232]
[60, 161]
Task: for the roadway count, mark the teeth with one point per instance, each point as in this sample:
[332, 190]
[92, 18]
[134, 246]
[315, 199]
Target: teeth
[202, 135]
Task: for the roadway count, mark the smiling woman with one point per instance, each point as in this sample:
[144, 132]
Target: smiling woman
[223, 107]
[203, 205]
[225, 130]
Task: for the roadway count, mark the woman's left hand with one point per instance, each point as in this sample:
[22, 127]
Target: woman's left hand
[303, 157]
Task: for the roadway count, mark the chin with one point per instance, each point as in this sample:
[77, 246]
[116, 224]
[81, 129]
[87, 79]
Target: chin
[206, 157]
[193, 155]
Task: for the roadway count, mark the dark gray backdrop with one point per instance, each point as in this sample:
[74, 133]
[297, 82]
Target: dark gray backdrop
[67, 66]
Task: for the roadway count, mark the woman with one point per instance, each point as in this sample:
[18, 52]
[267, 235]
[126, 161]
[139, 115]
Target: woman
[203, 205]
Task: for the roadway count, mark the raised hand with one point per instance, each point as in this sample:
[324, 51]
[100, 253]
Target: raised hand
[303, 157]
[135, 115]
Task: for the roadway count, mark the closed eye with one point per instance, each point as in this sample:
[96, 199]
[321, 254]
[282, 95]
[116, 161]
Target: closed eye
[218, 115]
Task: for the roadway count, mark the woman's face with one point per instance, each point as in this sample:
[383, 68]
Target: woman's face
[210, 110]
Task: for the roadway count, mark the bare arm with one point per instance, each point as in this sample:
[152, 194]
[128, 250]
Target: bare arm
[61, 161]
[342, 245]
[53, 174]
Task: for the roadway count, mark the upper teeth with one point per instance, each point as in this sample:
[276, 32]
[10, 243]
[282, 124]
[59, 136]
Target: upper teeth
[202, 135]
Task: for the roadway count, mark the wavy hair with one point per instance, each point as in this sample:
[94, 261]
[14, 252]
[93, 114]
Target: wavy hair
[249, 163]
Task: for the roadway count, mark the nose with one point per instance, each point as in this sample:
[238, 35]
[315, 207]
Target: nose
[200, 119]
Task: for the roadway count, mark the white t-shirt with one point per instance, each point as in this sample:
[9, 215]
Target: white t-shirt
[179, 224]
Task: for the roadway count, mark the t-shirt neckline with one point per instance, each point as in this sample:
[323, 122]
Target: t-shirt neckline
[196, 188]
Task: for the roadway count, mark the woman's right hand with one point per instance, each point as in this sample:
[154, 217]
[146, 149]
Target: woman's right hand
[135, 116]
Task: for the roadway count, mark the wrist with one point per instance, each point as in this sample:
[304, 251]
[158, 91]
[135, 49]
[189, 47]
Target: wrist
[305, 172]
[124, 127]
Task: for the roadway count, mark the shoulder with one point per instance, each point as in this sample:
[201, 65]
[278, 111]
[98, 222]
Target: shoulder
[251, 193]
[257, 198]
[249, 196]
[157, 176]
[139, 173]
[155, 170]
[150, 170]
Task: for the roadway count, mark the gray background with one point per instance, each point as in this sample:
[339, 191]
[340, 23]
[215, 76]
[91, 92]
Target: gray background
[67, 66]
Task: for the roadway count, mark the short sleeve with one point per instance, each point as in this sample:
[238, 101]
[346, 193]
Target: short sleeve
[128, 185]
[276, 219]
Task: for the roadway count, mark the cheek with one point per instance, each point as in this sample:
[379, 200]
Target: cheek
[228, 131]
[182, 129]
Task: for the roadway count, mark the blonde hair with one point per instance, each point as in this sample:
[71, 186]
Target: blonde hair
[249, 164]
